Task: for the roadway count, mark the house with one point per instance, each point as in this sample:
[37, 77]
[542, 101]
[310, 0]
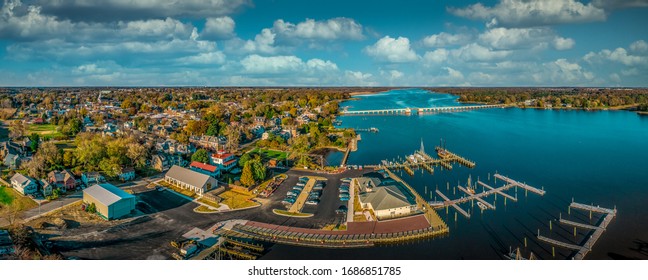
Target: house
[6, 244]
[23, 184]
[63, 180]
[388, 201]
[207, 169]
[12, 161]
[162, 162]
[90, 178]
[224, 161]
[127, 174]
[110, 201]
[191, 180]
[46, 188]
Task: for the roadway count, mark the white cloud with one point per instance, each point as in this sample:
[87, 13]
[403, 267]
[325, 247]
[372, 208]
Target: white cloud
[108, 10]
[436, 56]
[524, 38]
[527, 13]
[445, 39]
[393, 50]
[263, 42]
[28, 23]
[561, 43]
[215, 57]
[358, 78]
[331, 29]
[562, 71]
[218, 28]
[619, 55]
[476, 52]
[639, 46]
[256, 64]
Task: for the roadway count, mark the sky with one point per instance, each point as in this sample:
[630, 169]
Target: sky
[324, 43]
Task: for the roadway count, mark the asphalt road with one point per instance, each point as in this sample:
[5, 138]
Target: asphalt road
[163, 217]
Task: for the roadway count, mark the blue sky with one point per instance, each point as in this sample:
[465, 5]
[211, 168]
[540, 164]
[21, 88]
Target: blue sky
[324, 43]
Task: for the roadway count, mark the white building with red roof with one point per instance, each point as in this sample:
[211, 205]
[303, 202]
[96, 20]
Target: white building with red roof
[225, 161]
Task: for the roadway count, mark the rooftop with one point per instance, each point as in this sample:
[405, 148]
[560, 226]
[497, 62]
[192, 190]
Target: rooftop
[188, 176]
[107, 193]
[203, 166]
[387, 197]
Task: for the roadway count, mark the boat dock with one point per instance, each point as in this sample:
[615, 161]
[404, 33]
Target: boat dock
[454, 205]
[478, 196]
[519, 184]
[420, 159]
[371, 129]
[590, 240]
[498, 192]
[490, 206]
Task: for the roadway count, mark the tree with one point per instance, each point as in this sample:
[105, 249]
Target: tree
[17, 129]
[51, 154]
[92, 208]
[35, 139]
[201, 155]
[137, 154]
[233, 135]
[247, 177]
[299, 150]
[258, 169]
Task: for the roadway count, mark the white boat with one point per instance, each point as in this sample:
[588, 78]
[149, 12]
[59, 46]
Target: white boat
[481, 205]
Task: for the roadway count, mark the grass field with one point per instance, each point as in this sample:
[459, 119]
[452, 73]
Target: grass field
[271, 154]
[5, 197]
[10, 196]
[292, 214]
[43, 130]
[237, 199]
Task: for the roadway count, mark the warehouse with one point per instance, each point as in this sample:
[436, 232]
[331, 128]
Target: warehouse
[110, 201]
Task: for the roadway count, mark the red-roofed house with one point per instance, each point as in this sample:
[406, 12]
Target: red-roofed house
[207, 169]
[223, 160]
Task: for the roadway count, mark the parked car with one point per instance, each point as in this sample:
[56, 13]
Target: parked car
[312, 202]
[341, 210]
[344, 198]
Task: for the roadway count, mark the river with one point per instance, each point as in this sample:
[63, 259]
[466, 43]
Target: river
[594, 157]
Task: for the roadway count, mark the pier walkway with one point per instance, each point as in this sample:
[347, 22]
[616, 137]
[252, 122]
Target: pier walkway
[476, 198]
[414, 111]
[586, 247]
[454, 205]
[499, 192]
[521, 185]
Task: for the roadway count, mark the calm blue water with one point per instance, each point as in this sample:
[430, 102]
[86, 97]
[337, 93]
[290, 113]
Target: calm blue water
[597, 157]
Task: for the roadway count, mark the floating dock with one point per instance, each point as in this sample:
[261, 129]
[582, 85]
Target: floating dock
[454, 205]
[498, 192]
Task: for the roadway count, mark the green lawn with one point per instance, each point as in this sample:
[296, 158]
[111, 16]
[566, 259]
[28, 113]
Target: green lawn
[5, 197]
[271, 154]
[43, 130]
[66, 145]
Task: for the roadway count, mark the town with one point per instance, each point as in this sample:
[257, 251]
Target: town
[200, 173]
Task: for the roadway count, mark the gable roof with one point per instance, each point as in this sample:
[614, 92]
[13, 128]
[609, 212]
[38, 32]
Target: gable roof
[387, 197]
[106, 193]
[188, 176]
[203, 166]
[21, 179]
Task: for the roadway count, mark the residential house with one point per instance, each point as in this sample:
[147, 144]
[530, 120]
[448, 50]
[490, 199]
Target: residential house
[204, 168]
[46, 187]
[24, 184]
[162, 162]
[91, 178]
[191, 180]
[225, 161]
[127, 174]
[12, 161]
[64, 180]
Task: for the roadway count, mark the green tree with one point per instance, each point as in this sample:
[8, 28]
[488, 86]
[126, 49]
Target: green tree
[258, 169]
[247, 177]
[92, 208]
[35, 140]
[201, 155]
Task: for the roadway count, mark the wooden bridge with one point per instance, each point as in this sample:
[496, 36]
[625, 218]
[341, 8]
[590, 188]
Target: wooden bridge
[410, 111]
